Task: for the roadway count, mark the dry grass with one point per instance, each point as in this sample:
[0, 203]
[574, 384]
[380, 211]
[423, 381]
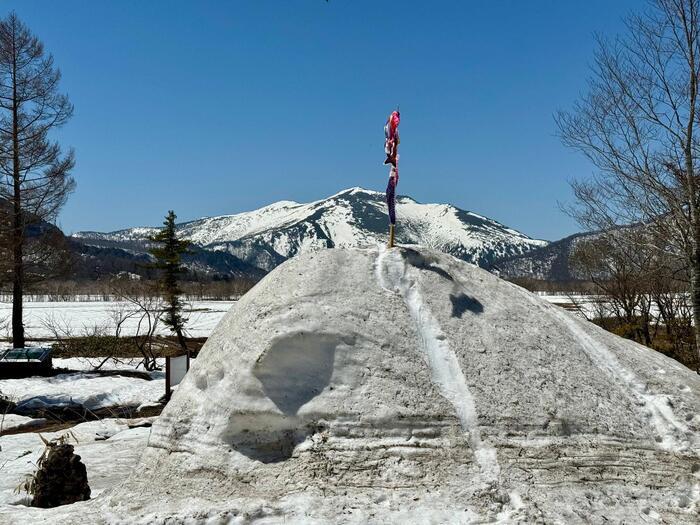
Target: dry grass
[680, 347]
[96, 346]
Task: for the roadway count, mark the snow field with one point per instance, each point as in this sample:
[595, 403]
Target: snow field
[91, 390]
[78, 317]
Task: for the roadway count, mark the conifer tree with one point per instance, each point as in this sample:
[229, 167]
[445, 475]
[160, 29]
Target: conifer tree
[34, 173]
[168, 259]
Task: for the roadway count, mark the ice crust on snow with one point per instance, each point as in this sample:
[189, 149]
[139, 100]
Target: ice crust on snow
[372, 386]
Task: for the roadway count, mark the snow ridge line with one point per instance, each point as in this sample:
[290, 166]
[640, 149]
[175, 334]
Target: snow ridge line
[662, 416]
[393, 275]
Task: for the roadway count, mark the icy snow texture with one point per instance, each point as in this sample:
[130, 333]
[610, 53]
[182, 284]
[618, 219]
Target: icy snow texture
[362, 386]
[396, 274]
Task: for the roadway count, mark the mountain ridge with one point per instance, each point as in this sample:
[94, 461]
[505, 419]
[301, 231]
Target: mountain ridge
[354, 217]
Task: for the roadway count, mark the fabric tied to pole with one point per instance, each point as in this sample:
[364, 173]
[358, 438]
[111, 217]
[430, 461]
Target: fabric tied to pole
[391, 194]
[391, 148]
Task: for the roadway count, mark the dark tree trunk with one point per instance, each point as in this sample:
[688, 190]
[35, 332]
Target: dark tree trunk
[34, 174]
[695, 296]
[17, 230]
[181, 340]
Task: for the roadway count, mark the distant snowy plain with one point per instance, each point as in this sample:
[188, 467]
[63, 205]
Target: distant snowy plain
[79, 317]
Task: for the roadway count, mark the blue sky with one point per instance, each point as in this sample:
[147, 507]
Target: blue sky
[215, 107]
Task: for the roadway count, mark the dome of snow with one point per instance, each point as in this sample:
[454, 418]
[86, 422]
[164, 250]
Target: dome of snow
[406, 386]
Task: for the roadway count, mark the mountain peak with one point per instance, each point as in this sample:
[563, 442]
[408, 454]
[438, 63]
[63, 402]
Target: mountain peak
[353, 217]
[355, 190]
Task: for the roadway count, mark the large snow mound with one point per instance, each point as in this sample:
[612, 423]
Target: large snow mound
[406, 386]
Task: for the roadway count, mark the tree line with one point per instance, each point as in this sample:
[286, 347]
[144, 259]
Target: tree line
[638, 124]
[636, 291]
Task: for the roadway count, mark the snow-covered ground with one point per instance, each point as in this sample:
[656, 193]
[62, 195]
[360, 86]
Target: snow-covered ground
[360, 386]
[401, 386]
[16, 423]
[588, 306]
[109, 449]
[91, 390]
[77, 317]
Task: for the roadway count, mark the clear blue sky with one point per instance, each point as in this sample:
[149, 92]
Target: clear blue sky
[214, 107]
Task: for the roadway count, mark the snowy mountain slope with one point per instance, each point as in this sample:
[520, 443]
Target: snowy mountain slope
[402, 386]
[548, 263]
[352, 218]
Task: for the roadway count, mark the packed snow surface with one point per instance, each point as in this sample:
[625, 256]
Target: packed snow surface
[406, 386]
[395, 274]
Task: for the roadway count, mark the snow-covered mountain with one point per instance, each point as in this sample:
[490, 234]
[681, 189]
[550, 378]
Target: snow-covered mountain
[352, 218]
[549, 263]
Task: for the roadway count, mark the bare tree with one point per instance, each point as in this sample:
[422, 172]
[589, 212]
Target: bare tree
[57, 325]
[638, 292]
[35, 174]
[620, 274]
[637, 124]
[145, 310]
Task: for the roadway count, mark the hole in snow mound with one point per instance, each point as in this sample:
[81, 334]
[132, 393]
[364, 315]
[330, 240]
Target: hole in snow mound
[297, 368]
[462, 302]
[268, 447]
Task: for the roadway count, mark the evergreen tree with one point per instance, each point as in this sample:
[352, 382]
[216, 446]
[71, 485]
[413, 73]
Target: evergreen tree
[168, 259]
